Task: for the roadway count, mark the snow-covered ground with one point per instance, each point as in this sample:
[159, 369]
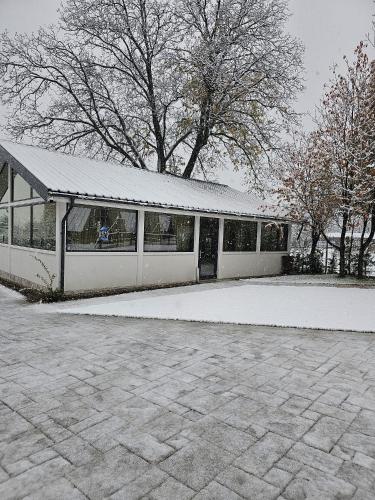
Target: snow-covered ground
[7, 294]
[314, 279]
[320, 307]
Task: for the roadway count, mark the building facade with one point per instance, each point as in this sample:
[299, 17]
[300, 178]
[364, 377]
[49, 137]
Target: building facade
[88, 225]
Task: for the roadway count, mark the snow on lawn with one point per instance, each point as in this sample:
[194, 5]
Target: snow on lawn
[289, 306]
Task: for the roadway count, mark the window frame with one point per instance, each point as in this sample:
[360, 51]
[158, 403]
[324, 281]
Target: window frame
[100, 250]
[241, 221]
[7, 208]
[282, 224]
[168, 252]
[33, 226]
[31, 206]
[12, 242]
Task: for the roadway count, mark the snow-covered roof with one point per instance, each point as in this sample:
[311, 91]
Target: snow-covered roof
[62, 174]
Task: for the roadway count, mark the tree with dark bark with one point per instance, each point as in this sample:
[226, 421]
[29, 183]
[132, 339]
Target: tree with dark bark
[368, 204]
[347, 147]
[155, 84]
[305, 187]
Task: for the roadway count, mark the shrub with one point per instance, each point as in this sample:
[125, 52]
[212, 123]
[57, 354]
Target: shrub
[49, 293]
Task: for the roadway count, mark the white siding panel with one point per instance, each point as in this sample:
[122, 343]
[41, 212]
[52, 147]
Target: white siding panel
[23, 264]
[98, 271]
[237, 265]
[4, 258]
[168, 268]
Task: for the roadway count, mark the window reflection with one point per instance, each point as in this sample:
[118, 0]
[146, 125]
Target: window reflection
[168, 233]
[21, 234]
[274, 237]
[101, 229]
[4, 221]
[35, 226]
[240, 236]
[44, 226]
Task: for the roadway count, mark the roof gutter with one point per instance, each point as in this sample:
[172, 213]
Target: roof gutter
[63, 244]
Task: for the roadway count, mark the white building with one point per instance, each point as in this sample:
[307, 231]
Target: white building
[99, 225]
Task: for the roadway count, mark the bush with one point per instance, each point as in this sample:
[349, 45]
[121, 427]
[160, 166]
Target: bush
[302, 264]
[42, 295]
[49, 293]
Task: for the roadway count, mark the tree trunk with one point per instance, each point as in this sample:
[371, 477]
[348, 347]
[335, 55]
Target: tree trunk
[361, 252]
[343, 245]
[350, 250]
[201, 139]
[192, 160]
[364, 244]
[315, 236]
[159, 137]
[361, 260]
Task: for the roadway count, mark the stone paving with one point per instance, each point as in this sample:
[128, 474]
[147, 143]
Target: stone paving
[96, 407]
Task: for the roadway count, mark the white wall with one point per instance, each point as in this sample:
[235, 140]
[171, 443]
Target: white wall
[168, 268]
[237, 265]
[21, 264]
[4, 258]
[90, 271]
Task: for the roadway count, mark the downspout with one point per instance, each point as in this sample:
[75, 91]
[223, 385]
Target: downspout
[63, 242]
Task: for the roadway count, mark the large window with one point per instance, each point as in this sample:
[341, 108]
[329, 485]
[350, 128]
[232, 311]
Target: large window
[274, 237]
[44, 226]
[21, 234]
[240, 236]
[35, 226]
[4, 225]
[168, 233]
[101, 229]
[4, 191]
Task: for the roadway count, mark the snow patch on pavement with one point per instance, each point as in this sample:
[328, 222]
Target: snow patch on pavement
[9, 293]
[314, 307]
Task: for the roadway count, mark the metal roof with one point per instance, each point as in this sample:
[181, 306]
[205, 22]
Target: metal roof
[53, 173]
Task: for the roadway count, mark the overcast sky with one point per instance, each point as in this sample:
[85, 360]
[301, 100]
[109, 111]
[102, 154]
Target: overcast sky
[329, 29]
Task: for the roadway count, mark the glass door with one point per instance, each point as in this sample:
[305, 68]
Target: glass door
[208, 247]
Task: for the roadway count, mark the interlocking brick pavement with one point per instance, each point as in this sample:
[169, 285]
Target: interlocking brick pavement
[116, 408]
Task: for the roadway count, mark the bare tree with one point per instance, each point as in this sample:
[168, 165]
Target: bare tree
[306, 187]
[153, 83]
[367, 206]
[347, 147]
